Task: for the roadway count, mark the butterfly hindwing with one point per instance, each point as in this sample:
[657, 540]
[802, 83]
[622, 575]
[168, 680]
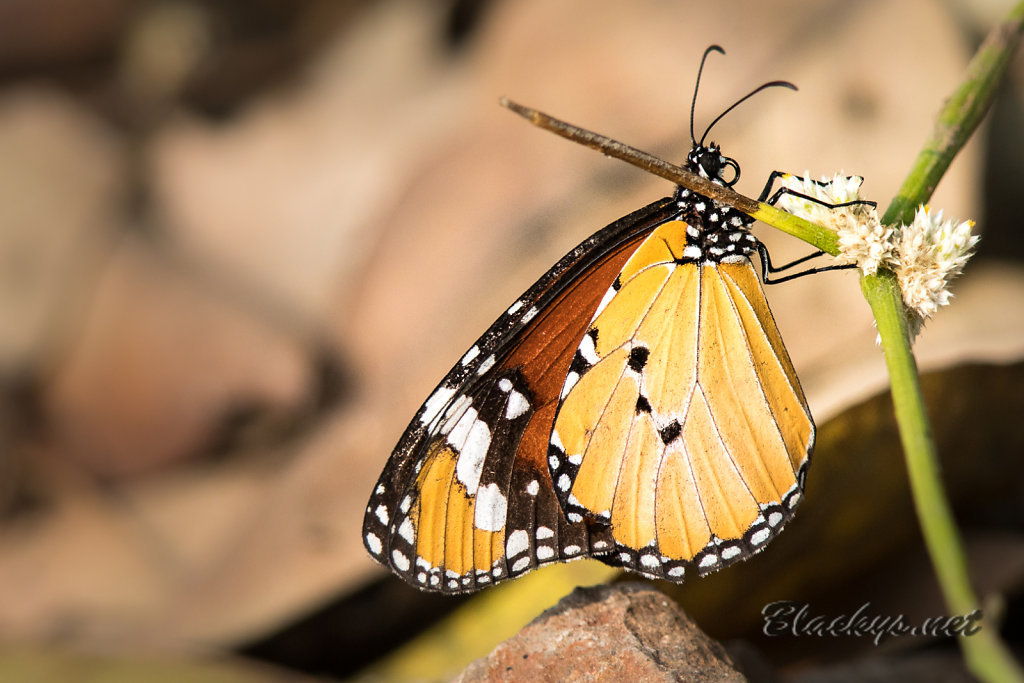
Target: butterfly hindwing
[681, 423]
[467, 497]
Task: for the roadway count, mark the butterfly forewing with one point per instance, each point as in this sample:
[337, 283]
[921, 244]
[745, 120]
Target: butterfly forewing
[466, 498]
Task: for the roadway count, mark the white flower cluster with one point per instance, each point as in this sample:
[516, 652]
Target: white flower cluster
[930, 253]
[925, 255]
[862, 238]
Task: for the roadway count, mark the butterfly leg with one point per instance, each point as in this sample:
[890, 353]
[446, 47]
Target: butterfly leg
[766, 264]
[773, 198]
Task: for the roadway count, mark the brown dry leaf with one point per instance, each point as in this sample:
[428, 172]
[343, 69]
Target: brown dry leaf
[61, 185]
[386, 201]
[160, 364]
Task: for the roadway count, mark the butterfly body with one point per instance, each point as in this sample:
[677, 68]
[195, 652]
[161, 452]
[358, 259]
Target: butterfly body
[636, 405]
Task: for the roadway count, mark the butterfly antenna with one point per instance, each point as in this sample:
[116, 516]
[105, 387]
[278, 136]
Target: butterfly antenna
[693, 104]
[770, 84]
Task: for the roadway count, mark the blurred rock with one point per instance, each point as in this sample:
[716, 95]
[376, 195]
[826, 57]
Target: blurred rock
[625, 632]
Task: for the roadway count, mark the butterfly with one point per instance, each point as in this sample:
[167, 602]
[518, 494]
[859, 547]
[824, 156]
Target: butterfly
[636, 406]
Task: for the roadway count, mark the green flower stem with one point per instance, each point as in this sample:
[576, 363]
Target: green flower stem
[959, 117]
[812, 233]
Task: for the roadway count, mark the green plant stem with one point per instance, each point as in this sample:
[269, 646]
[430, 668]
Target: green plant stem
[985, 654]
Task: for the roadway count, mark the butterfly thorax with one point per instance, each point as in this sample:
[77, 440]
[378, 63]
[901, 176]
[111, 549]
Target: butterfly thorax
[716, 233]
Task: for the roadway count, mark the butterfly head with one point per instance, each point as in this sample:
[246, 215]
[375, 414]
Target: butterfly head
[709, 162]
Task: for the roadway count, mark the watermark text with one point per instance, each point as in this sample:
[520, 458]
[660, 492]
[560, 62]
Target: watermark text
[789, 618]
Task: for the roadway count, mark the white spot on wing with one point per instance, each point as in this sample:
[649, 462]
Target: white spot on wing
[545, 553]
[486, 365]
[491, 509]
[434, 404]
[373, 543]
[533, 488]
[382, 514]
[544, 532]
[530, 314]
[608, 296]
[518, 542]
[587, 349]
[477, 439]
[406, 531]
[521, 564]
[514, 307]
[505, 384]
[650, 561]
[401, 561]
[473, 352]
[455, 412]
[570, 382]
[517, 405]
[571, 549]
[692, 251]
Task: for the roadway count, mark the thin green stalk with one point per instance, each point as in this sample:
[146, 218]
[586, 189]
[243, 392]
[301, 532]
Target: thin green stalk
[984, 652]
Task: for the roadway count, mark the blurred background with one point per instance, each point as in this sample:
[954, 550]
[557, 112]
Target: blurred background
[240, 242]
